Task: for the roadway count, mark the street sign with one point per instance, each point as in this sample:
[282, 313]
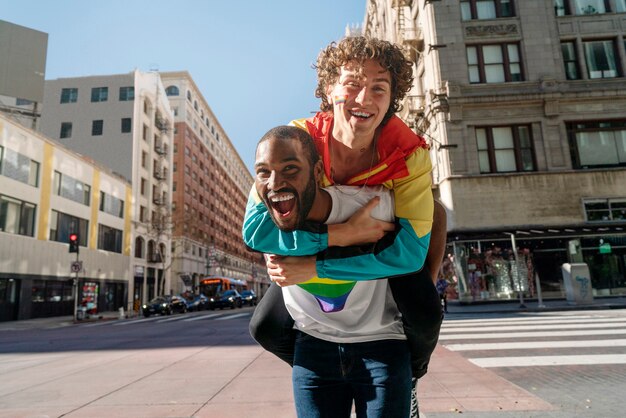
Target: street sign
[77, 266]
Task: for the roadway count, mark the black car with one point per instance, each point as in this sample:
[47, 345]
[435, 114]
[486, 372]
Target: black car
[249, 297]
[196, 302]
[228, 299]
[164, 305]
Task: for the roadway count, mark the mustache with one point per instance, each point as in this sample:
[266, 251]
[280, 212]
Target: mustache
[271, 193]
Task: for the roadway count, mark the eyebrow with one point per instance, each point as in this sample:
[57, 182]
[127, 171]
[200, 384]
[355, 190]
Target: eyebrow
[284, 160]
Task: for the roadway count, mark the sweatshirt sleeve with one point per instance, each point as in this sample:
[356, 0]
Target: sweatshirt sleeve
[400, 252]
[261, 234]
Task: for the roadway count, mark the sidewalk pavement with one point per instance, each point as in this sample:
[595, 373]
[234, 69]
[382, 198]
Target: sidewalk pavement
[262, 389]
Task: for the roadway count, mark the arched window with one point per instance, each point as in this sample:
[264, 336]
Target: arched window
[172, 91]
[188, 95]
[162, 251]
[152, 257]
[139, 243]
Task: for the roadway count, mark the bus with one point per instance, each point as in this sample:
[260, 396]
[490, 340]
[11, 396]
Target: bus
[215, 285]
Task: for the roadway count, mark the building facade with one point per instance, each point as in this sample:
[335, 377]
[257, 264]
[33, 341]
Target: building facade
[124, 122]
[48, 192]
[524, 106]
[210, 188]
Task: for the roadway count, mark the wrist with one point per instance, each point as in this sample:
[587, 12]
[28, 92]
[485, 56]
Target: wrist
[336, 233]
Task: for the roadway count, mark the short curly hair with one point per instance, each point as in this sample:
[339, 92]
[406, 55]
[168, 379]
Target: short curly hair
[359, 48]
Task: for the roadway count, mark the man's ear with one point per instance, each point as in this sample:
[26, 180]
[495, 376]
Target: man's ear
[318, 171]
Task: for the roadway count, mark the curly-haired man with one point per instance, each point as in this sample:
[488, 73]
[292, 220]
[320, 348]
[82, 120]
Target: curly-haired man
[344, 354]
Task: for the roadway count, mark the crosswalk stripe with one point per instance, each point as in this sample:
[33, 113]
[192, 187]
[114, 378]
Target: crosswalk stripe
[460, 324]
[231, 316]
[532, 334]
[122, 323]
[173, 318]
[199, 317]
[516, 319]
[526, 361]
[536, 344]
[536, 327]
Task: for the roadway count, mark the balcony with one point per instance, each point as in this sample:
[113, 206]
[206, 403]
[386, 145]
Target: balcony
[159, 201]
[159, 174]
[160, 149]
[416, 105]
[161, 123]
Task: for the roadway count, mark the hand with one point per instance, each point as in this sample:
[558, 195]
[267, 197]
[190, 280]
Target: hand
[287, 271]
[360, 229]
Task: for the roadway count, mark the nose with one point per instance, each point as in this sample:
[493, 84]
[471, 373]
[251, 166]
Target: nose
[363, 95]
[275, 181]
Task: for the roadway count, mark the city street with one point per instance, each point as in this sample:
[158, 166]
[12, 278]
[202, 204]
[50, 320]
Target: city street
[204, 364]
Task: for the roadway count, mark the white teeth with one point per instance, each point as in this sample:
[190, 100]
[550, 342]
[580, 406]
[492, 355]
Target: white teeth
[281, 197]
[362, 114]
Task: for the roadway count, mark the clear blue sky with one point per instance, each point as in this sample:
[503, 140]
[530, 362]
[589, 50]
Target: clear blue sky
[251, 59]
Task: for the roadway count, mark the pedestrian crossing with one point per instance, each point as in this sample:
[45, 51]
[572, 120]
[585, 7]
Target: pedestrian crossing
[534, 340]
[165, 319]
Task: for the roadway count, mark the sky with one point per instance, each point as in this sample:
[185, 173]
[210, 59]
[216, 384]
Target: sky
[251, 59]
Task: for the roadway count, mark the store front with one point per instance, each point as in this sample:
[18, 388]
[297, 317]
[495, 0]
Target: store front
[9, 298]
[488, 269]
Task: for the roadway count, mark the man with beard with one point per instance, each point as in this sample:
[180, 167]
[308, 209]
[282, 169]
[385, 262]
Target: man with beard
[365, 327]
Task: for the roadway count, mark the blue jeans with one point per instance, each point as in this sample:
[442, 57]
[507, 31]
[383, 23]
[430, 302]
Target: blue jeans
[328, 376]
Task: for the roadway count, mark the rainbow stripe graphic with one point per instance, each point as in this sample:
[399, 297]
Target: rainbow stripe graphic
[339, 100]
[331, 295]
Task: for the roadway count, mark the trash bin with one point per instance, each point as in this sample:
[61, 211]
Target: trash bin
[577, 282]
[80, 313]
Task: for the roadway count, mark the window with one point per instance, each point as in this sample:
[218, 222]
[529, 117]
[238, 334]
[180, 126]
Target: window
[598, 144]
[144, 133]
[126, 125]
[605, 210]
[143, 213]
[62, 225]
[486, 9]
[570, 60]
[66, 130]
[16, 216]
[109, 239]
[127, 94]
[96, 127]
[620, 6]
[172, 91]
[70, 188]
[99, 94]
[143, 186]
[111, 205]
[188, 95]
[600, 59]
[139, 247]
[505, 149]
[19, 167]
[494, 63]
[69, 95]
[589, 7]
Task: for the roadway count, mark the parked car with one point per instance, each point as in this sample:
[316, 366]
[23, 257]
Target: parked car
[164, 305]
[229, 298]
[248, 297]
[196, 302]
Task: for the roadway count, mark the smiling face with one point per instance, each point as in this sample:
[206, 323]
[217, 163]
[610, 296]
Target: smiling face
[285, 180]
[360, 97]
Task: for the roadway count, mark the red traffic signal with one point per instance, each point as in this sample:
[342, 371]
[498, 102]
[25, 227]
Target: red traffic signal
[73, 243]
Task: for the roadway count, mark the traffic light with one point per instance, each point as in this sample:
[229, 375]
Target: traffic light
[74, 243]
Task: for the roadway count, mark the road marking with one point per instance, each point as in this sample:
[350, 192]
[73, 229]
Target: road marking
[199, 317]
[599, 324]
[462, 324]
[587, 359]
[536, 344]
[232, 316]
[173, 318]
[515, 319]
[493, 336]
[154, 318]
